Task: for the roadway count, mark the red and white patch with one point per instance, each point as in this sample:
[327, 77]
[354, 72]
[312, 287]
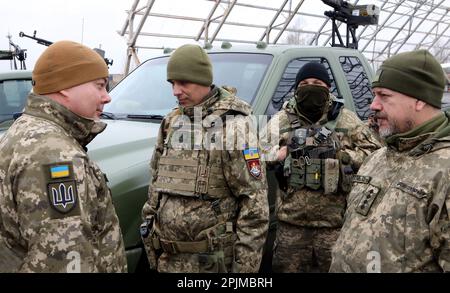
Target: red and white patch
[254, 167]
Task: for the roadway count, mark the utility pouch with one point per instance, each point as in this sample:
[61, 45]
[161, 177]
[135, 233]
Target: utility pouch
[330, 176]
[297, 178]
[314, 174]
[213, 262]
[221, 238]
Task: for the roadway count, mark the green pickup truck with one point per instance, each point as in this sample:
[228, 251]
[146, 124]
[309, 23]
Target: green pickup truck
[263, 76]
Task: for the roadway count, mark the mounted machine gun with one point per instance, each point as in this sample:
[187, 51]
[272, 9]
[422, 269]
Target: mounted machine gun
[48, 43]
[353, 16]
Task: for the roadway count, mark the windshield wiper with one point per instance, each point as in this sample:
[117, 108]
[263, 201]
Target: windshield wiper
[108, 115]
[145, 116]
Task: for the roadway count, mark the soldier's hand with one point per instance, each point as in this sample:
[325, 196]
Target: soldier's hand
[282, 153]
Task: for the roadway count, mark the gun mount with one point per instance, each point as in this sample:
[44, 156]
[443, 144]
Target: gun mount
[48, 43]
[14, 53]
[353, 16]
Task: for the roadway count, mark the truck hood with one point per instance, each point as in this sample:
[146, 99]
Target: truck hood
[122, 145]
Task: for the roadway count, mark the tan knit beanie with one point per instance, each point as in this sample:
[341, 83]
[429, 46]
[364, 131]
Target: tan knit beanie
[66, 64]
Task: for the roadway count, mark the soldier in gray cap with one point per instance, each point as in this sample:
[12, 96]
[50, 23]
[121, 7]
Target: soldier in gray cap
[398, 214]
[56, 211]
[207, 209]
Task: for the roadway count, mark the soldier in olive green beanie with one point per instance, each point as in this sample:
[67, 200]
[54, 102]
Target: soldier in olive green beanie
[416, 74]
[190, 63]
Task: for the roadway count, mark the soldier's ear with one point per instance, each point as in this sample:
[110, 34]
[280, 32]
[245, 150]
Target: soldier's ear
[419, 105]
[64, 93]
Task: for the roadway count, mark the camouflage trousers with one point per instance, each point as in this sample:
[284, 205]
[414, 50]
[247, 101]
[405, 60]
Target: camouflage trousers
[303, 249]
[194, 263]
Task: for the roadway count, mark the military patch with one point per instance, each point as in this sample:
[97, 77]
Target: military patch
[63, 195]
[62, 190]
[254, 167]
[361, 179]
[417, 192]
[367, 199]
[59, 171]
[251, 154]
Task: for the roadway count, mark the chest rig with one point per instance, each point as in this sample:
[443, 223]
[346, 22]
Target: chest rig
[312, 161]
[188, 165]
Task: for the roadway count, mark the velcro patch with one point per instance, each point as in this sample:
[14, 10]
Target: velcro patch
[63, 196]
[254, 167]
[251, 154]
[417, 192]
[62, 190]
[59, 171]
[361, 179]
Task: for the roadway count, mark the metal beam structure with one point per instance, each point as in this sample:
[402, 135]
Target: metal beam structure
[403, 25]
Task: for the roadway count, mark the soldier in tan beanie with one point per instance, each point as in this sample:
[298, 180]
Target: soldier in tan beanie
[207, 209]
[56, 212]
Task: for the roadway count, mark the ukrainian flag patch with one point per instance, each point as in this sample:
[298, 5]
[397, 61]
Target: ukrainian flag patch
[60, 171]
[251, 154]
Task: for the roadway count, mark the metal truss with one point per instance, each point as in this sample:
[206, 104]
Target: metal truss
[403, 25]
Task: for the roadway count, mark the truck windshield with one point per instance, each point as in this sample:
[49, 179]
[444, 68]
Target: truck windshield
[13, 94]
[146, 91]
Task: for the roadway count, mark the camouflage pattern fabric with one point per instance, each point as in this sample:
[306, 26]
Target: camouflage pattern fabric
[182, 216]
[307, 207]
[397, 218]
[303, 249]
[56, 211]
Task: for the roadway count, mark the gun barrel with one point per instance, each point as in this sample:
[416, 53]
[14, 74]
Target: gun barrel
[38, 40]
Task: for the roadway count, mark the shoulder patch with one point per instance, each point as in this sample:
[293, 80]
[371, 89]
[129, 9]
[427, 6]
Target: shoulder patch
[251, 153]
[251, 156]
[62, 190]
[59, 171]
[63, 196]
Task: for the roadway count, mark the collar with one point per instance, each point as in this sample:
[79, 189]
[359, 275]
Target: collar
[208, 101]
[82, 129]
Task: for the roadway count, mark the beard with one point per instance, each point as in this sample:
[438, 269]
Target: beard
[393, 125]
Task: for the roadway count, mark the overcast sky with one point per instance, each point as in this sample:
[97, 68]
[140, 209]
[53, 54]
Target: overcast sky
[63, 20]
[96, 22]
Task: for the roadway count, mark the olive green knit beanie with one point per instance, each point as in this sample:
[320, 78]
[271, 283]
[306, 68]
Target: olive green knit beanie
[416, 74]
[190, 63]
[66, 64]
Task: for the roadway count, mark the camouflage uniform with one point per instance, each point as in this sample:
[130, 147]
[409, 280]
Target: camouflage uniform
[56, 211]
[398, 212]
[309, 217]
[207, 210]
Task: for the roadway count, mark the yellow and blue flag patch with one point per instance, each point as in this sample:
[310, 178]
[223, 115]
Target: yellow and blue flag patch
[251, 154]
[60, 171]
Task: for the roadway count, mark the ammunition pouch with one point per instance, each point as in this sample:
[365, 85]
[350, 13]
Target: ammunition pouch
[330, 176]
[297, 176]
[346, 172]
[313, 174]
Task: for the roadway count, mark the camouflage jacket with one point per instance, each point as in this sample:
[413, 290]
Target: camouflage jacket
[56, 211]
[186, 217]
[397, 218]
[307, 207]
